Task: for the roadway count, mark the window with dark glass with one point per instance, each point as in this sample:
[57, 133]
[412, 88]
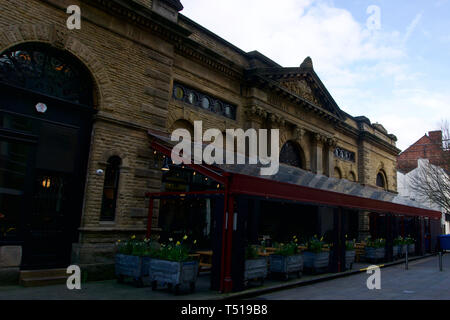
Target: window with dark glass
[381, 182]
[110, 189]
[290, 154]
[204, 101]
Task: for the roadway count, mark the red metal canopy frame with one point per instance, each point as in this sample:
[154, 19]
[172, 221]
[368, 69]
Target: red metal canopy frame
[240, 184]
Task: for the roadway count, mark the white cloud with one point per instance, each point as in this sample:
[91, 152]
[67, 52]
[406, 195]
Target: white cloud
[366, 72]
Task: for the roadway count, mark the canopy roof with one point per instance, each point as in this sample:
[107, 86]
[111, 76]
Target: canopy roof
[292, 183]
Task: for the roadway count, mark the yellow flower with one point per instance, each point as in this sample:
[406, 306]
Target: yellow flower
[178, 243]
[296, 240]
[185, 237]
[195, 241]
[133, 237]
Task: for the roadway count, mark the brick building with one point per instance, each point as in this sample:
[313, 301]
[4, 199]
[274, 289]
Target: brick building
[77, 106]
[430, 147]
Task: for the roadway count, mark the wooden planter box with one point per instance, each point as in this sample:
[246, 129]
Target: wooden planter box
[403, 249]
[349, 259]
[395, 251]
[132, 266]
[375, 254]
[255, 269]
[286, 264]
[411, 248]
[173, 274]
[316, 262]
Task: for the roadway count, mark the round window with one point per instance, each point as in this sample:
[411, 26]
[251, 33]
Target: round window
[205, 103]
[179, 93]
[192, 98]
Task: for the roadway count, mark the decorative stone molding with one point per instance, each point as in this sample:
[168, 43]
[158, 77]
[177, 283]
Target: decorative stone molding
[255, 113]
[299, 133]
[275, 119]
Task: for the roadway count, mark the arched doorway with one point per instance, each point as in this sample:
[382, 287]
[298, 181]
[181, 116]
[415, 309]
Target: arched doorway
[292, 154]
[45, 127]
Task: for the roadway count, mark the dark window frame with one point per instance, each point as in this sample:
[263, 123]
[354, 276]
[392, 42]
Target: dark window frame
[114, 163]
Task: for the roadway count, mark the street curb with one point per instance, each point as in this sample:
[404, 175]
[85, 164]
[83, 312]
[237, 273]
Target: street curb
[251, 293]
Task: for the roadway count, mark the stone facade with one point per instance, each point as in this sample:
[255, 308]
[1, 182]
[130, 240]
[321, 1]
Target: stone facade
[135, 51]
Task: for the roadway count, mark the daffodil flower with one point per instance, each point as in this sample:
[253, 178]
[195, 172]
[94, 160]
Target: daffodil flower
[178, 243]
[133, 237]
[195, 241]
[185, 237]
[170, 239]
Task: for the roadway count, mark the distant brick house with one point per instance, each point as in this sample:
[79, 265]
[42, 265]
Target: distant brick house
[428, 147]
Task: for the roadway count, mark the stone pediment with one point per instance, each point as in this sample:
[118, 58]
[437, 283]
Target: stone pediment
[302, 89]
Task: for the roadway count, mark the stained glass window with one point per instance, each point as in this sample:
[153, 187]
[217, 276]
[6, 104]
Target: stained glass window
[46, 70]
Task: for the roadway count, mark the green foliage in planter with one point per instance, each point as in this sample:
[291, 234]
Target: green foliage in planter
[251, 252]
[287, 249]
[399, 241]
[375, 243]
[135, 247]
[315, 245]
[175, 251]
[409, 240]
[349, 244]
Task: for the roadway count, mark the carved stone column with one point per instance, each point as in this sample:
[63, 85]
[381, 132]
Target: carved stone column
[317, 154]
[331, 143]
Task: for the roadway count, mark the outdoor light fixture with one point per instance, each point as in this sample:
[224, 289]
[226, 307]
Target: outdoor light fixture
[46, 183]
[165, 166]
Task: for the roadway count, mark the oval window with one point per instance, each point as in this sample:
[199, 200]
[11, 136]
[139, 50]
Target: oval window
[205, 103]
[192, 98]
[178, 93]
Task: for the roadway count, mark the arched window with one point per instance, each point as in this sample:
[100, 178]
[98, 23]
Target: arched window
[44, 69]
[381, 180]
[291, 154]
[110, 189]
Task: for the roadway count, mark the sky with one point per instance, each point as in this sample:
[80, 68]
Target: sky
[387, 60]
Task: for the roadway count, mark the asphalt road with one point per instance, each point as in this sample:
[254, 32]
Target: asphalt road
[423, 280]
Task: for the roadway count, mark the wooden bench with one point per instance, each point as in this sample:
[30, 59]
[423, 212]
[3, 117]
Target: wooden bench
[205, 260]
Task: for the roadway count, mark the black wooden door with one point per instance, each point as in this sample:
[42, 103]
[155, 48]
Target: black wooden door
[55, 144]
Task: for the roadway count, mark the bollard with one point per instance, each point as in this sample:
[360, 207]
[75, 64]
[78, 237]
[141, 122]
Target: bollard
[440, 261]
[406, 260]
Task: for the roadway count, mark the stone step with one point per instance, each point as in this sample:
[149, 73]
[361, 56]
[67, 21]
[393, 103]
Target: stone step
[40, 282]
[33, 278]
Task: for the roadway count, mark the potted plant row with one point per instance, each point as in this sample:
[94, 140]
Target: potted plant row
[133, 259]
[287, 259]
[316, 258]
[255, 265]
[375, 249]
[172, 265]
